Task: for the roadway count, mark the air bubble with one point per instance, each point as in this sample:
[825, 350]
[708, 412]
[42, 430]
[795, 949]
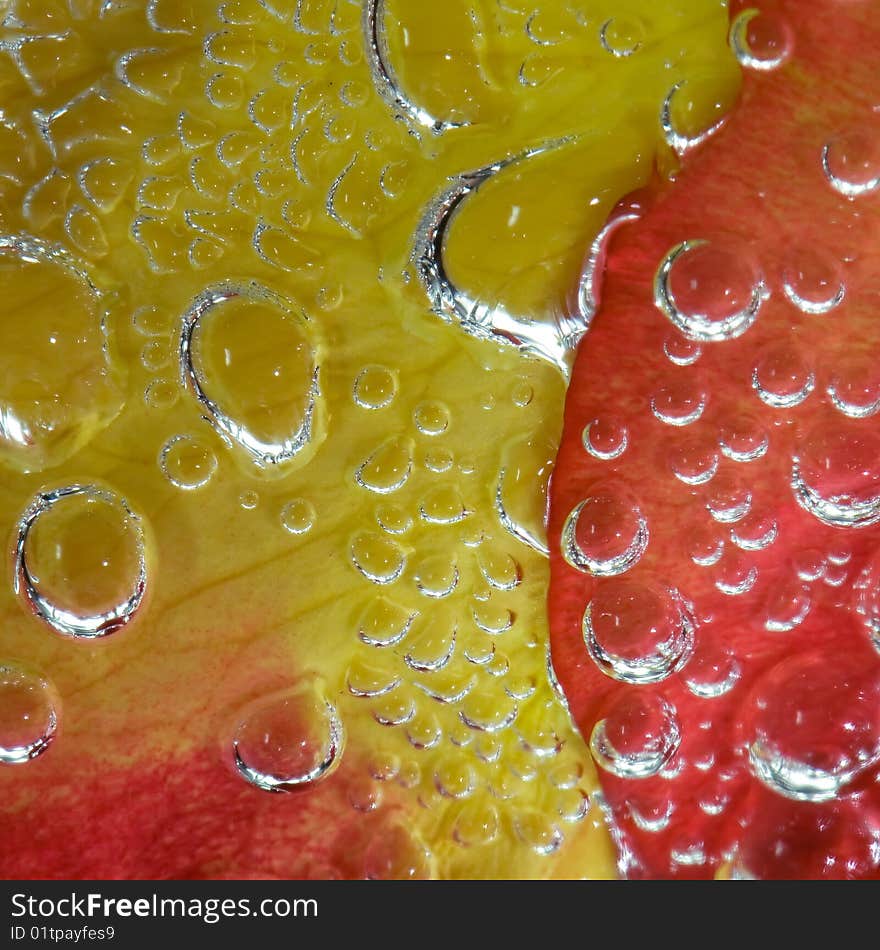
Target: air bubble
[604, 535]
[710, 291]
[288, 741]
[187, 462]
[637, 737]
[636, 633]
[81, 561]
[29, 713]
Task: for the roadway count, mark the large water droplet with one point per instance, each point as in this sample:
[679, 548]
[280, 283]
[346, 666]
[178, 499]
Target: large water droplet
[29, 709]
[604, 535]
[249, 358]
[637, 633]
[80, 560]
[637, 737]
[836, 474]
[710, 291]
[57, 385]
[815, 724]
[288, 741]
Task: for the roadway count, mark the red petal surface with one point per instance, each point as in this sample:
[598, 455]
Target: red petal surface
[715, 505]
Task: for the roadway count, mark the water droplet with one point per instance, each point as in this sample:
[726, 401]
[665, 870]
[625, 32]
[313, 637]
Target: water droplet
[477, 823]
[248, 357]
[393, 519]
[813, 283]
[711, 291]
[729, 500]
[787, 606]
[155, 355]
[637, 737]
[484, 711]
[29, 710]
[851, 162]
[187, 462]
[388, 468]
[538, 832]
[298, 516]
[705, 546]
[854, 389]
[288, 741]
[384, 623]
[431, 418]
[439, 460]
[735, 575]
[605, 438]
[604, 535]
[680, 403]
[375, 387]
[249, 499]
[712, 671]
[782, 379]
[754, 532]
[743, 439]
[80, 560]
[57, 385]
[379, 559]
[454, 778]
[500, 570]
[161, 394]
[436, 576]
[681, 351]
[813, 725]
[637, 633]
[622, 36]
[694, 461]
[521, 395]
[443, 505]
[761, 40]
[836, 475]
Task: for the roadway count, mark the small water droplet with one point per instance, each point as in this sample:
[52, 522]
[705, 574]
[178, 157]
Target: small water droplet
[477, 823]
[431, 418]
[605, 438]
[161, 394]
[681, 351]
[378, 558]
[288, 741]
[743, 439]
[622, 36]
[813, 283]
[81, 560]
[388, 468]
[375, 387]
[298, 516]
[188, 462]
[679, 403]
[851, 162]
[787, 606]
[694, 461]
[782, 378]
[29, 712]
[712, 671]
